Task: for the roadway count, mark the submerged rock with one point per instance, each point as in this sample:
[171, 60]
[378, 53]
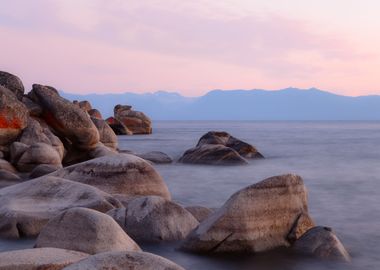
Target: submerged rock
[13, 83]
[124, 260]
[154, 218]
[8, 178]
[321, 242]
[85, 230]
[156, 157]
[26, 207]
[118, 173]
[256, 218]
[39, 259]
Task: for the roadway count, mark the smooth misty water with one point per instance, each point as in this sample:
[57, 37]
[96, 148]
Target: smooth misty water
[339, 162]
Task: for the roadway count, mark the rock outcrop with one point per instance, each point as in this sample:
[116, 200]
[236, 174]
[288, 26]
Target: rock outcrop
[85, 230]
[153, 219]
[13, 83]
[124, 260]
[256, 218]
[118, 127]
[26, 207]
[118, 173]
[106, 134]
[135, 121]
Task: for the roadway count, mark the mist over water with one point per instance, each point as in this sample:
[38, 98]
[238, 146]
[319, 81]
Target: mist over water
[339, 162]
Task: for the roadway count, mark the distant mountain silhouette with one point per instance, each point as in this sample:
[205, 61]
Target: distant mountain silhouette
[285, 104]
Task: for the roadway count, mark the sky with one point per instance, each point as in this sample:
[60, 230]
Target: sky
[192, 47]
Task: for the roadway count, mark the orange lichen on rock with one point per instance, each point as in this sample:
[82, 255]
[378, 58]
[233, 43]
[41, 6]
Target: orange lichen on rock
[5, 122]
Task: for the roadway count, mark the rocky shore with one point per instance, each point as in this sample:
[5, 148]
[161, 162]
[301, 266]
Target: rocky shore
[90, 205]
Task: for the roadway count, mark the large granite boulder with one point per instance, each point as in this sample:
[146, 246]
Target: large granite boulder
[199, 212]
[321, 242]
[212, 154]
[124, 260]
[85, 230]
[43, 169]
[244, 149]
[67, 119]
[106, 134]
[39, 259]
[5, 165]
[154, 218]
[26, 207]
[118, 173]
[256, 218]
[95, 113]
[135, 121]
[8, 178]
[13, 116]
[13, 83]
[118, 127]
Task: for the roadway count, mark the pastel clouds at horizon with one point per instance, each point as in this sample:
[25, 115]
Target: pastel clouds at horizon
[192, 47]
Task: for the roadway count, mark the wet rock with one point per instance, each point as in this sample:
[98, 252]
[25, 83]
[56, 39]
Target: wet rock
[118, 173]
[95, 114]
[39, 259]
[135, 121]
[156, 157]
[125, 260]
[65, 118]
[26, 207]
[13, 116]
[256, 218]
[321, 242]
[118, 127]
[212, 154]
[154, 218]
[199, 212]
[85, 230]
[13, 83]
[43, 169]
[106, 134]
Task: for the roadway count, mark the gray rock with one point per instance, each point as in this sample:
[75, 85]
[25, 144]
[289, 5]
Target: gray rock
[13, 83]
[154, 218]
[321, 242]
[26, 207]
[118, 173]
[107, 135]
[199, 212]
[156, 157]
[43, 169]
[16, 151]
[123, 261]
[85, 230]
[8, 178]
[5, 165]
[39, 259]
[33, 108]
[256, 218]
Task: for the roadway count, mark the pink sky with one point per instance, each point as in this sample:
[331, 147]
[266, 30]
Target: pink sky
[87, 46]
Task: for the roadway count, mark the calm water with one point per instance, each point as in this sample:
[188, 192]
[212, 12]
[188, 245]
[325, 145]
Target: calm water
[339, 162]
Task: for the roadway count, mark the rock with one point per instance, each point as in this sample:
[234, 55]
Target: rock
[321, 242]
[199, 212]
[13, 83]
[95, 114]
[26, 207]
[156, 157]
[118, 173]
[154, 218]
[65, 118]
[212, 154]
[220, 137]
[16, 151]
[123, 261]
[85, 230]
[125, 199]
[39, 259]
[85, 105]
[8, 178]
[256, 218]
[5, 165]
[13, 116]
[33, 108]
[106, 134]
[43, 169]
[36, 154]
[135, 121]
[118, 127]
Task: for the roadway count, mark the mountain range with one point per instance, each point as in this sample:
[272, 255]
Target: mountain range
[257, 104]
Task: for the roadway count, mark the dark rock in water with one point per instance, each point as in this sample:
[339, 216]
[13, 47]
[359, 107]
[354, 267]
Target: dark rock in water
[212, 154]
[123, 261]
[95, 113]
[220, 137]
[39, 259]
[65, 118]
[154, 218]
[135, 121]
[13, 83]
[106, 135]
[254, 219]
[118, 127]
[85, 230]
[156, 157]
[43, 169]
[321, 242]
[26, 207]
[118, 173]
[199, 212]
[13, 116]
